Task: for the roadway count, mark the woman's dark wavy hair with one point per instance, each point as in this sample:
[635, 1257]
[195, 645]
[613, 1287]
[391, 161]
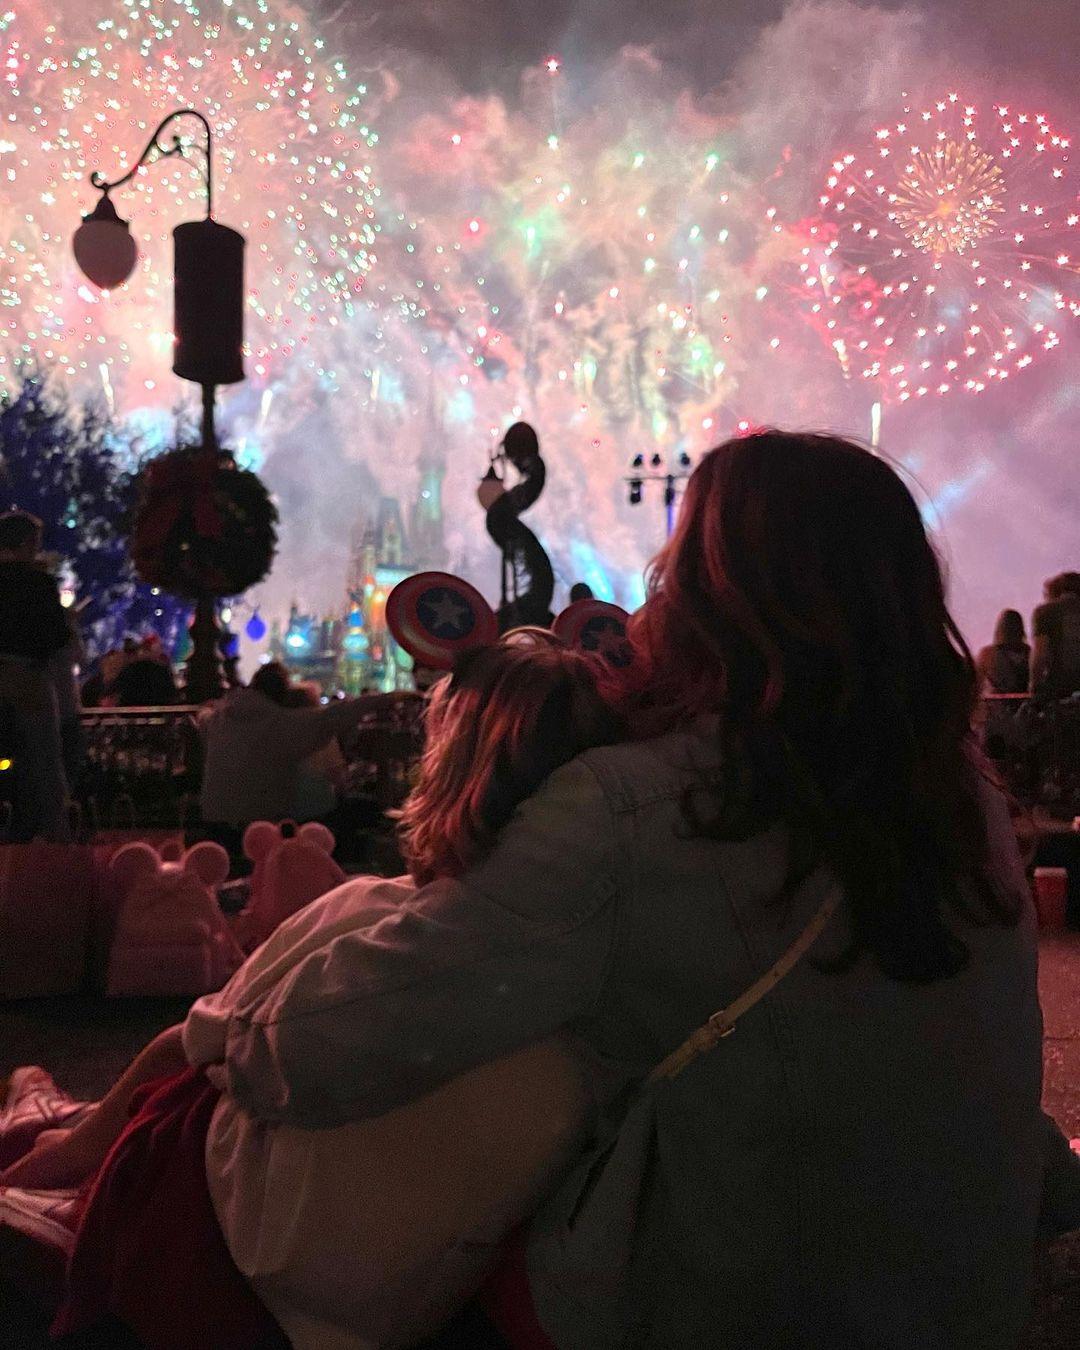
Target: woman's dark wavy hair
[801, 599]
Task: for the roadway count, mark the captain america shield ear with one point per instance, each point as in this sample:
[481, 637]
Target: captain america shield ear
[597, 627]
[437, 617]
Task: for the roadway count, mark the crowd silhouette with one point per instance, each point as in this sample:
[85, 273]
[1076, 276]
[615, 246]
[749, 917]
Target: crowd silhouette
[1050, 667]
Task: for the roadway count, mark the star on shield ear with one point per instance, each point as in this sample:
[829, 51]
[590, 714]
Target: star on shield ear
[595, 626]
[437, 618]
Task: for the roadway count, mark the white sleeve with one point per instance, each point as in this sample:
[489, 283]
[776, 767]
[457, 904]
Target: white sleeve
[461, 974]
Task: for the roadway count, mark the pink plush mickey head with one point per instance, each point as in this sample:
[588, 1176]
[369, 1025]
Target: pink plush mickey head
[264, 836]
[171, 937]
[293, 866]
[207, 862]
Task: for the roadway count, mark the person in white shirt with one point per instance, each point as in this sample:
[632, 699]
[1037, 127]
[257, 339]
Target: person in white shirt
[257, 742]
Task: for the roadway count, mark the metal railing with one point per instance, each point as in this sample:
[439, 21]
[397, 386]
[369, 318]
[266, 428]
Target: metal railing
[143, 766]
[140, 766]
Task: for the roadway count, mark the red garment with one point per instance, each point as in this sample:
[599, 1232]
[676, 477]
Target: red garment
[149, 1250]
[507, 1300]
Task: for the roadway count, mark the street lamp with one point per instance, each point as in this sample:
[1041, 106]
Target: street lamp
[670, 477]
[104, 246]
[208, 272]
[208, 321]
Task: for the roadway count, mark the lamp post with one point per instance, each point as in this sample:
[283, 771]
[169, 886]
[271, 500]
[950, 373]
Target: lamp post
[208, 294]
[208, 319]
[671, 479]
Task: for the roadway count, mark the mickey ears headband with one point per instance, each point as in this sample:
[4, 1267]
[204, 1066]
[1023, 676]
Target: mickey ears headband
[597, 627]
[437, 617]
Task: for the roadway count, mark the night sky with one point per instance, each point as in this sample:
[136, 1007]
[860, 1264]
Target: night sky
[484, 43]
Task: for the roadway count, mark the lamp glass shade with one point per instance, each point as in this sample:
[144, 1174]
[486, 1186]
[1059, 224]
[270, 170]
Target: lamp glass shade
[490, 489]
[104, 247]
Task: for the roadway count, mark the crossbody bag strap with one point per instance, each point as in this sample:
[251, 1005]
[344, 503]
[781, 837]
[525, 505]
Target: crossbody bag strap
[722, 1023]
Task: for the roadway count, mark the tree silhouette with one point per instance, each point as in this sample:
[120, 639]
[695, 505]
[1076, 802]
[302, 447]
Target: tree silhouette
[72, 466]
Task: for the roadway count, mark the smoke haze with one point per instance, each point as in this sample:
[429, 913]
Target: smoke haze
[609, 249]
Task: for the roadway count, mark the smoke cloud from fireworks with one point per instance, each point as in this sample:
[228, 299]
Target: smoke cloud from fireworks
[611, 250]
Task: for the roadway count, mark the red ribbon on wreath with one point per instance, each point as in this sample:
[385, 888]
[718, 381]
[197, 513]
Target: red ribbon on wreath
[182, 483]
[202, 526]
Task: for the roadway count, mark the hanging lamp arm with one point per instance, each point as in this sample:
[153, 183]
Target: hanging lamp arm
[156, 147]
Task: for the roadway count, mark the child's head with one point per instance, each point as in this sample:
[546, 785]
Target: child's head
[274, 682]
[508, 716]
[1009, 630]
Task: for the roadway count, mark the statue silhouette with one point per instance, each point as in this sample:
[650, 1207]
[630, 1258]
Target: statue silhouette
[528, 582]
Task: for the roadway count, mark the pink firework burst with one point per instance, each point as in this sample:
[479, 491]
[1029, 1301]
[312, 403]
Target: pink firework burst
[947, 254]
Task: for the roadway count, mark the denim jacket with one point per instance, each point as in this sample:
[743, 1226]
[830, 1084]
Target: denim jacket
[860, 1164]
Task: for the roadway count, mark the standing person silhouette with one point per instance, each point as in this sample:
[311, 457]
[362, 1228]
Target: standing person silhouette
[1003, 666]
[34, 629]
[1055, 630]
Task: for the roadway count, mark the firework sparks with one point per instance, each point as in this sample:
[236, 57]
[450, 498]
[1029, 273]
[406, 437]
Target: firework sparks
[586, 266]
[947, 256]
[293, 171]
[583, 264]
[597, 272]
[949, 197]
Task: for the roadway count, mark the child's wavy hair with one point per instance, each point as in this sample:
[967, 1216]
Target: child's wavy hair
[508, 716]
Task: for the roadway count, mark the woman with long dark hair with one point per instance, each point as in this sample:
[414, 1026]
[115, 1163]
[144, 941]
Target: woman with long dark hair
[801, 600]
[1003, 666]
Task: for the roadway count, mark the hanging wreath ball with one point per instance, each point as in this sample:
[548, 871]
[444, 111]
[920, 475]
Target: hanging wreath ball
[202, 526]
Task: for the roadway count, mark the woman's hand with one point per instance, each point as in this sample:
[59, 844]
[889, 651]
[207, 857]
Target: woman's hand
[60, 1159]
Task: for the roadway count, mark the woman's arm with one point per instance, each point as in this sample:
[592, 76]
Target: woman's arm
[305, 730]
[462, 973]
[62, 1158]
